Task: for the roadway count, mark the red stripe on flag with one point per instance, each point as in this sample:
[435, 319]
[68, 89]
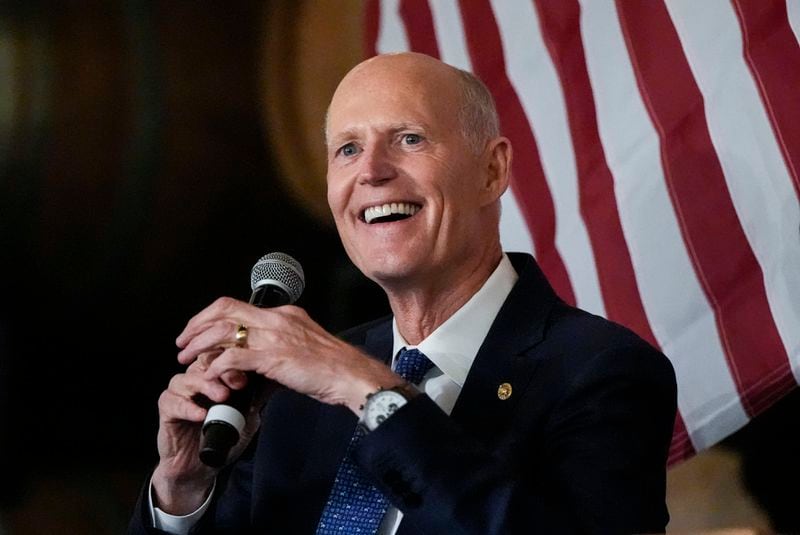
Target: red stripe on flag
[773, 56]
[418, 20]
[723, 260]
[372, 21]
[528, 182]
[560, 26]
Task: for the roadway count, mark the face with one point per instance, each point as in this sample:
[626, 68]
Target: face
[408, 195]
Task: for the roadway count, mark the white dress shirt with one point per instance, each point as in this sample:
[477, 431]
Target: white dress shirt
[452, 348]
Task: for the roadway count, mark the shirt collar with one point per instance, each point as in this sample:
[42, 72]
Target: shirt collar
[454, 344]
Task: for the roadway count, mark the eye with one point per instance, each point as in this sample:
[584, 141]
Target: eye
[349, 149]
[412, 139]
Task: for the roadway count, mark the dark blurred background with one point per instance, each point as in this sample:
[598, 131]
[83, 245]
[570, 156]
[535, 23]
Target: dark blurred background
[150, 153]
[137, 184]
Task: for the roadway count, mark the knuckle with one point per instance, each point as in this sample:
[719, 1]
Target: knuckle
[271, 337]
[229, 329]
[164, 401]
[298, 312]
[284, 320]
[234, 376]
[293, 310]
[223, 303]
[174, 383]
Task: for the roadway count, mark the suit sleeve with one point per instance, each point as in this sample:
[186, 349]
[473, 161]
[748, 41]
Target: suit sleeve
[141, 523]
[228, 512]
[593, 463]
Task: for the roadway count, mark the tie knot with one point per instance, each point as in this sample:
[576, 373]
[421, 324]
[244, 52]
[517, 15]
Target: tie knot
[412, 365]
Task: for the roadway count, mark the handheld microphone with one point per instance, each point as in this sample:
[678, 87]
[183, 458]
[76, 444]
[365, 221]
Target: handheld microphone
[276, 279]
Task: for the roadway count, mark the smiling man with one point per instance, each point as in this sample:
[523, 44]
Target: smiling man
[403, 140]
[484, 405]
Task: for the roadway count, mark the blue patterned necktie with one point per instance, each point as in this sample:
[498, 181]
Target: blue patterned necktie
[355, 505]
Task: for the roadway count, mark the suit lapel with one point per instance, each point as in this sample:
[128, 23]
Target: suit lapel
[503, 358]
[378, 341]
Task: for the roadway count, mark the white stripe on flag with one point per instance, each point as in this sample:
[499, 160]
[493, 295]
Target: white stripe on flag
[392, 35]
[793, 10]
[538, 87]
[450, 34]
[678, 311]
[514, 233]
[760, 185]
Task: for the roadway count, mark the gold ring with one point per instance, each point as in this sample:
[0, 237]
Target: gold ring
[241, 335]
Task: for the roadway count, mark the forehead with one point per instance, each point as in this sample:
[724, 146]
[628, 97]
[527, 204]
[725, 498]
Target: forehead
[394, 94]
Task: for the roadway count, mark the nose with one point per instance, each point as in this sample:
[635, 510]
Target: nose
[376, 166]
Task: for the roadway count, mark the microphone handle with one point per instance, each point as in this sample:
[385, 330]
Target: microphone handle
[225, 421]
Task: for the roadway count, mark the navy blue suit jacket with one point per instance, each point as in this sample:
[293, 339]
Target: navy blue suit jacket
[579, 447]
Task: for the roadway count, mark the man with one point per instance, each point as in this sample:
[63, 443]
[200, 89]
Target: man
[535, 417]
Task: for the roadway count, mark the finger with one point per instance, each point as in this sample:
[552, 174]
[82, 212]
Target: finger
[210, 338]
[233, 311]
[188, 386]
[234, 379]
[175, 408]
[232, 360]
[203, 361]
[200, 364]
[224, 307]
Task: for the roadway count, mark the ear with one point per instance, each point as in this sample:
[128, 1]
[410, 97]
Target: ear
[497, 163]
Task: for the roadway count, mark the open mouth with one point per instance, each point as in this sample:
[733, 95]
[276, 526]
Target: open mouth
[385, 213]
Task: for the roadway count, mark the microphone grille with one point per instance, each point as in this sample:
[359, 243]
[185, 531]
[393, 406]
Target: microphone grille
[282, 269]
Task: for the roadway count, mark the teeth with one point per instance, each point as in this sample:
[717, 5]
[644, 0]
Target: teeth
[382, 210]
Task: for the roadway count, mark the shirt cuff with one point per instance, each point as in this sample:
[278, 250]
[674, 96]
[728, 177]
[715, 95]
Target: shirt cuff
[178, 525]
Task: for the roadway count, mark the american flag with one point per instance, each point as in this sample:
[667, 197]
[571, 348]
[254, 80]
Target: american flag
[655, 176]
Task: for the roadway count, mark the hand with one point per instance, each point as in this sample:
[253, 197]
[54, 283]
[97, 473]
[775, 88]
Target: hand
[181, 482]
[285, 345]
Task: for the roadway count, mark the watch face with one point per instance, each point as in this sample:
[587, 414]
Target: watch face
[380, 406]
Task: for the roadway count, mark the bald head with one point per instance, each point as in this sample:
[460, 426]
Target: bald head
[414, 164]
[466, 96]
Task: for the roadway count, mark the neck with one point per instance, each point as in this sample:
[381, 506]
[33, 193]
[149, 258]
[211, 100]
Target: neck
[420, 309]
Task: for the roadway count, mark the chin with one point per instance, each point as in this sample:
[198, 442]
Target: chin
[390, 272]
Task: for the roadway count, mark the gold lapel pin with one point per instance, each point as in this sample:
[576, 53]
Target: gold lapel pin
[504, 391]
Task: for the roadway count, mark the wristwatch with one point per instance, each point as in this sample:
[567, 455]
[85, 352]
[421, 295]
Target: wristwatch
[381, 404]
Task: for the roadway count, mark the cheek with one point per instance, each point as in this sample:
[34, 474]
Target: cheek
[460, 210]
[337, 197]
[337, 202]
